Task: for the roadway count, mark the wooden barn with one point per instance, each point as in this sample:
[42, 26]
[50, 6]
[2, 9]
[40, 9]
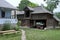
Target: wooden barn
[37, 17]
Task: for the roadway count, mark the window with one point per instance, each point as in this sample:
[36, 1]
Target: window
[3, 14]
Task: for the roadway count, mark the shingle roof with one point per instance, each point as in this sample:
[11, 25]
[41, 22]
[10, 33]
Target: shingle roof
[29, 8]
[56, 18]
[40, 9]
[5, 4]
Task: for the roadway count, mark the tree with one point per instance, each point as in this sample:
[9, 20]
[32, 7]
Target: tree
[25, 3]
[57, 14]
[32, 4]
[51, 4]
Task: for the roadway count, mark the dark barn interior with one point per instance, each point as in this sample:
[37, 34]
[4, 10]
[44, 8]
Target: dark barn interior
[42, 23]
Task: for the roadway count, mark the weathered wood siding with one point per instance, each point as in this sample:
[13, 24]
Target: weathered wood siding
[50, 21]
[39, 16]
[25, 22]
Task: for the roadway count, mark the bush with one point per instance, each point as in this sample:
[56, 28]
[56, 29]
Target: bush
[19, 23]
[6, 26]
[16, 28]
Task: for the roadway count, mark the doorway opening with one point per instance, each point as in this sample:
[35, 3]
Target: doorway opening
[41, 24]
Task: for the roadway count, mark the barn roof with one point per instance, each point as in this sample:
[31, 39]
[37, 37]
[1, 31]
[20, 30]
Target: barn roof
[5, 4]
[29, 8]
[38, 9]
[55, 17]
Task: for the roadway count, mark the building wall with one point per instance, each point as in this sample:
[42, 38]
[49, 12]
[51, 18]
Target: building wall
[50, 21]
[33, 16]
[25, 23]
[39, 16]
[7, 16]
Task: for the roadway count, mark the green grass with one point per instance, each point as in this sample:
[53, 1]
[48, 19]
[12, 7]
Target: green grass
[37, 34]
[11, 37]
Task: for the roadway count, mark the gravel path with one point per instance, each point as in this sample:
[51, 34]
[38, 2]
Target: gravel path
[23, 37]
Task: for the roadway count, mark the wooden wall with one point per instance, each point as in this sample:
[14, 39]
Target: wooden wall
[50, 21]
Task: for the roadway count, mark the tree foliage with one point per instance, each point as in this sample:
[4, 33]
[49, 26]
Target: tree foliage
[32, 4]
[25, 3]
[57, 14]
[51, 4]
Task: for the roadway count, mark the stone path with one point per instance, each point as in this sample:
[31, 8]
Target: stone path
[23, 37]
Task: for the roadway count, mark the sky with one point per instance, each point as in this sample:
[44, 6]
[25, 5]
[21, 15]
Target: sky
[39, 2]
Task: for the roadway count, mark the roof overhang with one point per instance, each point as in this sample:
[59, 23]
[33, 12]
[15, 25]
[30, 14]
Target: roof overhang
[9, 8]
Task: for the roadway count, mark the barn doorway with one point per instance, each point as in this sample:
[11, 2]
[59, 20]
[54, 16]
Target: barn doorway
[41, 24]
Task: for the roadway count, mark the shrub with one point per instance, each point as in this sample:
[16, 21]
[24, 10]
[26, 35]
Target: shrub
[16, 28]
[6, 26]
[19, 23]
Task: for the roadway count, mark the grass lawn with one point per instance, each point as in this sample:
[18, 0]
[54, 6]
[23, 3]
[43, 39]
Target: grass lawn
[11, 37]
[37, 34]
